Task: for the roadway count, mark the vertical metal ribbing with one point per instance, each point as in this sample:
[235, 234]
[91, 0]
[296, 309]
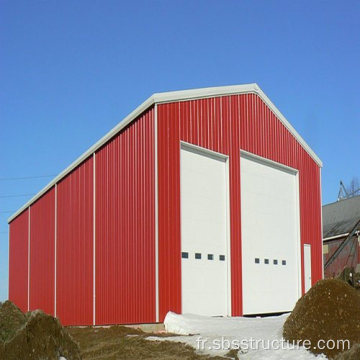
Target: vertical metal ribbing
[55, 246]
[156, 218]
[94, 239]
[29, 239]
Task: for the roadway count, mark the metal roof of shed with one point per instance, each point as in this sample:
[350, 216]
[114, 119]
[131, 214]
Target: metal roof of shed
[340, 217]
[174, 96]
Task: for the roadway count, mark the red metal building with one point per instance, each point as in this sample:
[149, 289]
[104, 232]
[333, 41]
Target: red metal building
[204, 201]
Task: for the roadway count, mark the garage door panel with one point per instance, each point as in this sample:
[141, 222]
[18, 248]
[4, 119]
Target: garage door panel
[270, 234]
[204, 232]
[205, 239]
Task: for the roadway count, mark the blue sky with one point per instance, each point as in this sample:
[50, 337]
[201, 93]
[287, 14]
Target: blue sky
[71, 70]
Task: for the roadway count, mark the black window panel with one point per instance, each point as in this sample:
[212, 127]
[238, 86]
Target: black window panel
[257, 261]
[275, 262]
[222, 257]
[210, 257]
[284, 262]
[266, 261]
[185, 255]
[197, 256]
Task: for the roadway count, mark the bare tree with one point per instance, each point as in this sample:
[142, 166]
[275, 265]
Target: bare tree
[349, 191]
[353, 188]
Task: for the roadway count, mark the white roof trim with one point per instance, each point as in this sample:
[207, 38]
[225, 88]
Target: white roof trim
[166, 97]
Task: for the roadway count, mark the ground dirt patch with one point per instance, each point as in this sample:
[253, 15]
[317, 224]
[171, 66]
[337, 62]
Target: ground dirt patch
[330, 310]
[120, 342]
[352, 354]
[11, 319]
[34, 336]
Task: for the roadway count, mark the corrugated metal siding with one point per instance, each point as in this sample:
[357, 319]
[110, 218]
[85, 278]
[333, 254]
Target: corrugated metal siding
[74, 249]
[169, 209]
[42, 232]
[310, 213]
[226, 124]
[18, 260]
[125, 226]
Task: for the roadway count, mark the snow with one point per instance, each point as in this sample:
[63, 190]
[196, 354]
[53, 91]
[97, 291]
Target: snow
[259, 338]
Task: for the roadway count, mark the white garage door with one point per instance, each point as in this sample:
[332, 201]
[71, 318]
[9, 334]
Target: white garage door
[204, 227]
[270, 236]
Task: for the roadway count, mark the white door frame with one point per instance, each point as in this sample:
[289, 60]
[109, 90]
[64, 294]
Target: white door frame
[215, 155]
[307, 246]
[268, 162]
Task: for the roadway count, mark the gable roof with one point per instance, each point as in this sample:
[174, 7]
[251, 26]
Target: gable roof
[173, 96]
[340, 217]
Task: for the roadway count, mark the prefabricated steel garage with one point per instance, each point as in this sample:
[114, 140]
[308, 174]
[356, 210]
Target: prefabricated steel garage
[204, 201]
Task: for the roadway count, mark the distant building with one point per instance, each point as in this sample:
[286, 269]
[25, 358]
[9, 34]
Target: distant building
[341, 234]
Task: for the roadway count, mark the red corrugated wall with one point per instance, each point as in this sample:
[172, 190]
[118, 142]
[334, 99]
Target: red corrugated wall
[227, 124]
[125, 226]
[74, 250]
[42, 236]
[18, 260]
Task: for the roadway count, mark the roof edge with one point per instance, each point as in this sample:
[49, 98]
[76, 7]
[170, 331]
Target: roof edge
[233, 90]
[341, 200]
[292, 130]
[126, 121]
[158, 98]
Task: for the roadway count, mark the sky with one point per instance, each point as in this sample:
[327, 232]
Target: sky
[72, 70]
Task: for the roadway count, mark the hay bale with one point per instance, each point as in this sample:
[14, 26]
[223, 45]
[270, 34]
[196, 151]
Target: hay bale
[42, 337]
[330, 310]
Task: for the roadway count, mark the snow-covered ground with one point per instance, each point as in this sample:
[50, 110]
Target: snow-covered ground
[258, 338]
